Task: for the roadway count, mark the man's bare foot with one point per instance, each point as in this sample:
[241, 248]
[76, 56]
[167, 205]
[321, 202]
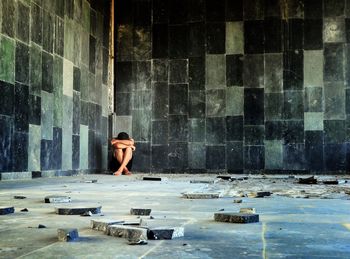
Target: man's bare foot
[117, 173]
[127, 172]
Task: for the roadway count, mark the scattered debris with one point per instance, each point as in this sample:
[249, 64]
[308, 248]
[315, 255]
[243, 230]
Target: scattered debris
[247, 210]
[258, 194]
[237, 201]
[24, 210]
[149, 178]
[41, 226]
[194, 195]
[202, 181]
[102, 225]
[236, 217]
[19, 197]
[132, 223]
[141, 212]
[165, 233]
[67, 234]
[225, 177]
[91, 181]
[57, 199]
[221, 209]
[309, 180]
[330, 182]
[151, 217]
[77, 210]
[86, 214]
[138, 242]
[131, 233]
[6, 210]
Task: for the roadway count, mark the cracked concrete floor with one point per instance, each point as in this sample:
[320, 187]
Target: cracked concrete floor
[289, 227]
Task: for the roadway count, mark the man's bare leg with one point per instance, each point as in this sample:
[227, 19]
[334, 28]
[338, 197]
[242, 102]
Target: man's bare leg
[125, 159]
[118, 154]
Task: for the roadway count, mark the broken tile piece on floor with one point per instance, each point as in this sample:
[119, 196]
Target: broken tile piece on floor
[201, 195]
[19, 197]
[6, 210]
[77, 210]
[91, 181]
[202, 181]
[102, 224]
[149, 178]
[67, 234]
[140, 212]
[138, 242]
[57, 199]
[224, 177]
[165, 233]
[247, 210]
[237, 201]
[236, 217]
[131, 233]
[259, 194]
[330, 182]
[309, 180]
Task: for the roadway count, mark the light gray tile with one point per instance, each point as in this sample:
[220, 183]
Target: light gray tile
[215, 76]
[313, 68]
[234, 101]
[234, 38]
[46, 115]
[34, 147]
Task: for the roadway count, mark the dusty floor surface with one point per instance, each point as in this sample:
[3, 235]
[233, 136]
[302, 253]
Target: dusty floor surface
[296, 221]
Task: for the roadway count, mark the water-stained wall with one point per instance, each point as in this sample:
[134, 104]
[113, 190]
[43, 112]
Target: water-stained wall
[53, 84]
[243, 85]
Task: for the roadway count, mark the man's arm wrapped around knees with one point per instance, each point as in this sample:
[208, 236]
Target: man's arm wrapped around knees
[125, 143]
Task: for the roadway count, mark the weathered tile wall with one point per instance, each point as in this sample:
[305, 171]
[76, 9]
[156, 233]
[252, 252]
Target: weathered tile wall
[53, 70]
[237, 85]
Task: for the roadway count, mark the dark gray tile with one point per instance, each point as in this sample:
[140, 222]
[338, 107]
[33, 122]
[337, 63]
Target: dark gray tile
[313, 9]
[254, 157]
[160, 11]
[334, 131]
[178, 99]
[48, 31]
[178, 41]
[197, 130]
[215, 157]
[293, 132]
[333, 62]
[21, 111]
[142, 12]
[313, 34]
[196, 67]
[76, 79]
[76, 113]
[253, 71]
[273, 106]
[197, 156]
[23, 22]
[195, 10]
[124, 73]
[8, 20]
[22, 63]
[196, 39]
[234, 156]
[160, 132]
[272, 8]
[293, 70]
[234, 128]
[334, 8]
[294, 157]
[234, 10]
[5, 144]
[160, 43]
[215, 38]
[160, 70]
[215, 130]
[142, 73]
[254, 135]
[177, 12]
[253, 9]
[273, 34]
[59, 36]
[92, 54]
[47, 72]
[75, 151]
[197, 104]
[253, 106]
[160, 160]
[215, 10]
[36, 23]
[142, 43]
[216, 102]
[7, 98]
[254, 37]
[178, 128]
[293, 105]
[178, 156]
[142, 157]
[335, 157]
[160, 100]
[293, 32]
[314, 150]
[274, 130]
[234, 70]
[19, 152]
[178, 71]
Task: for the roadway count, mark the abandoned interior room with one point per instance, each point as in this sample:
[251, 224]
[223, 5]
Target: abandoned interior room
[175, 129]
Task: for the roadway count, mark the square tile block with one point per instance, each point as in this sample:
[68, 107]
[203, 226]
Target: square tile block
[313, 121]
[215, 130]
[234, 128]
[178, 41]
[234, 38]
[7, 61]
[215, 102]
[333, 62]
[47, 72]
[215, 38]
[178, 156]
[254, 135]
[274, 154]
[35, 69]
[293, 105]
[313, 101]
[160, 132]
[334, 131]
[273, 106]
[273, 73]
[293, 72]
[273, 34]
[178, 71]
[197, 130]
[253, 71]
[294, 157]
[215, 71]
[313, 68]
[313, 34]
[178, 128]
[234, 156]
[196, 155]
[334, 96]
[160, 100]
[196, 67]
[234, 101]
[215, 157]
[234, 10]
[254, 37]
[197, 104]
[160, 41]
[160, 70]
[160, 159]
[234, 70]
[196, 38]
[253, 106]
[334, 30]
[254, 157]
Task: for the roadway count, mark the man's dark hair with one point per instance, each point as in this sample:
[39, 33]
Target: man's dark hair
[123, 136]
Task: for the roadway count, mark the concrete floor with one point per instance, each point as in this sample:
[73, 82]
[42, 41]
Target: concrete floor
[288, 227]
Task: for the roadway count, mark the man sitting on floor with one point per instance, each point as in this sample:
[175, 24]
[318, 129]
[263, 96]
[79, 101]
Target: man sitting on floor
[122, 154]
